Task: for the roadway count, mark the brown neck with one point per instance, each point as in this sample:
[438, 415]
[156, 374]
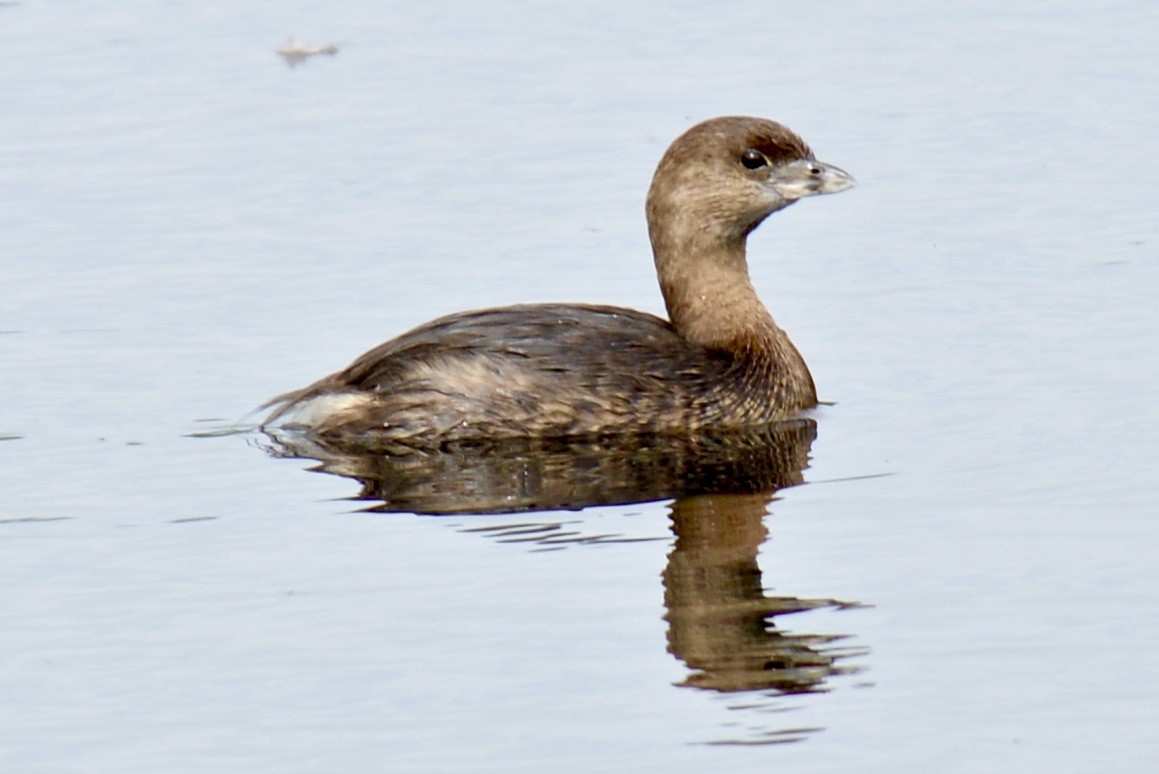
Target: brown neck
[706, 287]
[711, 302]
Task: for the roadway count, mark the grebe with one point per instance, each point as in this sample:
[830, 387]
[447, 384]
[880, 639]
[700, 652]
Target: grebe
[719, 362]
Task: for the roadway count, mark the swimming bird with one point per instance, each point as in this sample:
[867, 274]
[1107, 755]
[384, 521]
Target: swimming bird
[555, 371]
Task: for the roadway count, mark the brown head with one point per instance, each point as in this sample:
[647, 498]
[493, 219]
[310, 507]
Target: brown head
[715, 184]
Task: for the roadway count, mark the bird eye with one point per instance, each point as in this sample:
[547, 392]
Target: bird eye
[753, 159]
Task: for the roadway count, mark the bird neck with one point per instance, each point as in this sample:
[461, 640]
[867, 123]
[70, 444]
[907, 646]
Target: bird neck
[711, 302]
[707, 291]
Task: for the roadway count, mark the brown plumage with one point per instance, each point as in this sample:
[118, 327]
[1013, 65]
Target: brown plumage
[559, 370]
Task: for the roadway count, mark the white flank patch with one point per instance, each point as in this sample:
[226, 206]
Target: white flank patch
[322, 409]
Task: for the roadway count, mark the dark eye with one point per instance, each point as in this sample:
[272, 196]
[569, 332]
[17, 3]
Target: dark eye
[753, 159]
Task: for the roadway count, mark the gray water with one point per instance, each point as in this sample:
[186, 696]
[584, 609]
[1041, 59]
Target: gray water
[189, 226]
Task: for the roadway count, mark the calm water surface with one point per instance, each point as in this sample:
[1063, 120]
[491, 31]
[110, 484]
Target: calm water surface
[189, 226]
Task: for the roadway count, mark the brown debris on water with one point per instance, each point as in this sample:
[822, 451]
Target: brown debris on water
[295, 52]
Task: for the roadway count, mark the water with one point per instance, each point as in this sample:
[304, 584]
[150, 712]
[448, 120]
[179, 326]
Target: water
[190, 226]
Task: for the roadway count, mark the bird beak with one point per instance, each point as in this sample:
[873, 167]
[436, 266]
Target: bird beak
[808, 177]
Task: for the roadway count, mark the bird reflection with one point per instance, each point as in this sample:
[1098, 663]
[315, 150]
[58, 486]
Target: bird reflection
[720, 620]
[551, 475]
